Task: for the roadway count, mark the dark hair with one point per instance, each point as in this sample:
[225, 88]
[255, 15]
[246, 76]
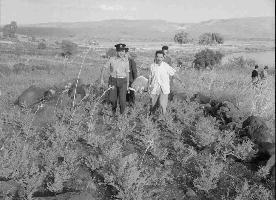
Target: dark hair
[266, 67]
[165, 48]
[256, 66]
[159, 52]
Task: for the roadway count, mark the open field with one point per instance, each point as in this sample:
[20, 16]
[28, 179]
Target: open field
[87, 154]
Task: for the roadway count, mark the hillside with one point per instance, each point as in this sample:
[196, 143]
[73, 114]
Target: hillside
[153, 30]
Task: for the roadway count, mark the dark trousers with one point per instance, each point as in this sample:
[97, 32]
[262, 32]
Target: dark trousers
[130, 97]
[118, 93]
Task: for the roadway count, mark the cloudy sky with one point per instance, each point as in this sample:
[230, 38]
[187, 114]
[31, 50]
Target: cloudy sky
[40, 11]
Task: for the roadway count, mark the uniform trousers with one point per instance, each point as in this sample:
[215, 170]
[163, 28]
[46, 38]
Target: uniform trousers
[118, 93]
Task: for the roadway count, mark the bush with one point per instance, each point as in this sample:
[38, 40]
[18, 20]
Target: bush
[210, 38]
[10, 29]
[207, 58]
[68, 48]
[182, 38]
[41, 45]
[110, 53]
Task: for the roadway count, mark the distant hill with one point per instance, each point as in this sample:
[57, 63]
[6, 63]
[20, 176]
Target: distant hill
[153, 30]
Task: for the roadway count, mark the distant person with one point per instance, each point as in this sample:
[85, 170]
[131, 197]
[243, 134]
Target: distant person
[167, 58]
[264, 73]
[255, 75]
[159, 81]
[130, 97]
[118, 67]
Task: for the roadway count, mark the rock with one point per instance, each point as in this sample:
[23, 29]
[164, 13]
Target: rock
[140, 84]
[256, 129]
[30, 96]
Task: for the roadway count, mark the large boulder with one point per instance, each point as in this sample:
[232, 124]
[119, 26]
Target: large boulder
[256, 129]
[140, 84]
[31, 96]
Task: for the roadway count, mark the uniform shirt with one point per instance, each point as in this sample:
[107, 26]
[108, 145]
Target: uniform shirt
[118, 67]
[160, 75]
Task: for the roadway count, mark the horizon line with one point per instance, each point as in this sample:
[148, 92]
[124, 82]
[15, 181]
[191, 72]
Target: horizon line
[122, 19]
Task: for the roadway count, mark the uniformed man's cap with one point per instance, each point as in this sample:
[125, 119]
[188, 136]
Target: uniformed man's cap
[120, 47]
[165, 48]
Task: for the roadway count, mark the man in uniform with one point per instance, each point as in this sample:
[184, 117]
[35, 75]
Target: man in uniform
[118, 67]
[132, 76]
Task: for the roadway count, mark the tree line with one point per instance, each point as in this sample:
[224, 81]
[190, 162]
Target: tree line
[204, 39]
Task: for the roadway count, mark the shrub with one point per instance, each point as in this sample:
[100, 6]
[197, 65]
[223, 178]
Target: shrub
[41, 45]
[10, 29]
[68, 48]
[182, 38]
[110, 53]
[241, 62]
[207, 58]
[210, 38]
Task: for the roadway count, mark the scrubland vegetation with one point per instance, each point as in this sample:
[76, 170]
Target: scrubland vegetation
[82, 152]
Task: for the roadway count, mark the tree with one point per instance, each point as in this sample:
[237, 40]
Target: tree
[207, 58]
[9, 30]
[41, 45]
[68, 48]
[210, 38]
[182, 38]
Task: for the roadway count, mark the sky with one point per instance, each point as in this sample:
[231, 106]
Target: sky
[182, 11]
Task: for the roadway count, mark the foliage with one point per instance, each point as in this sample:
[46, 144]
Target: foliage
[207, 58]
[182, 38]
[41, 45]
[9, 30]
[131, 156]
[210, 38]
[111, 52]
[68, 48]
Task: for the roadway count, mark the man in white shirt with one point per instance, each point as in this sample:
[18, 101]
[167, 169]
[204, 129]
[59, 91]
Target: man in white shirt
[159, 81]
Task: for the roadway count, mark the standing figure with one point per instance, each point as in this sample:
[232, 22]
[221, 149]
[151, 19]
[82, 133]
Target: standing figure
[264, 74]
[255, 76]
[118, 67]
[159, 81]
[130, 97]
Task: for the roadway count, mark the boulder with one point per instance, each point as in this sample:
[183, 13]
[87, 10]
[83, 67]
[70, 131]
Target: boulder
[30, 96]
[256, 129]
[140, 84]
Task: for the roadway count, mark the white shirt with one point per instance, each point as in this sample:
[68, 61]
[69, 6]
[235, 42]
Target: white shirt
[160, 75]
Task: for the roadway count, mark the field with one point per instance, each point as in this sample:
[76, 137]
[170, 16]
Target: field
[84, 153]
